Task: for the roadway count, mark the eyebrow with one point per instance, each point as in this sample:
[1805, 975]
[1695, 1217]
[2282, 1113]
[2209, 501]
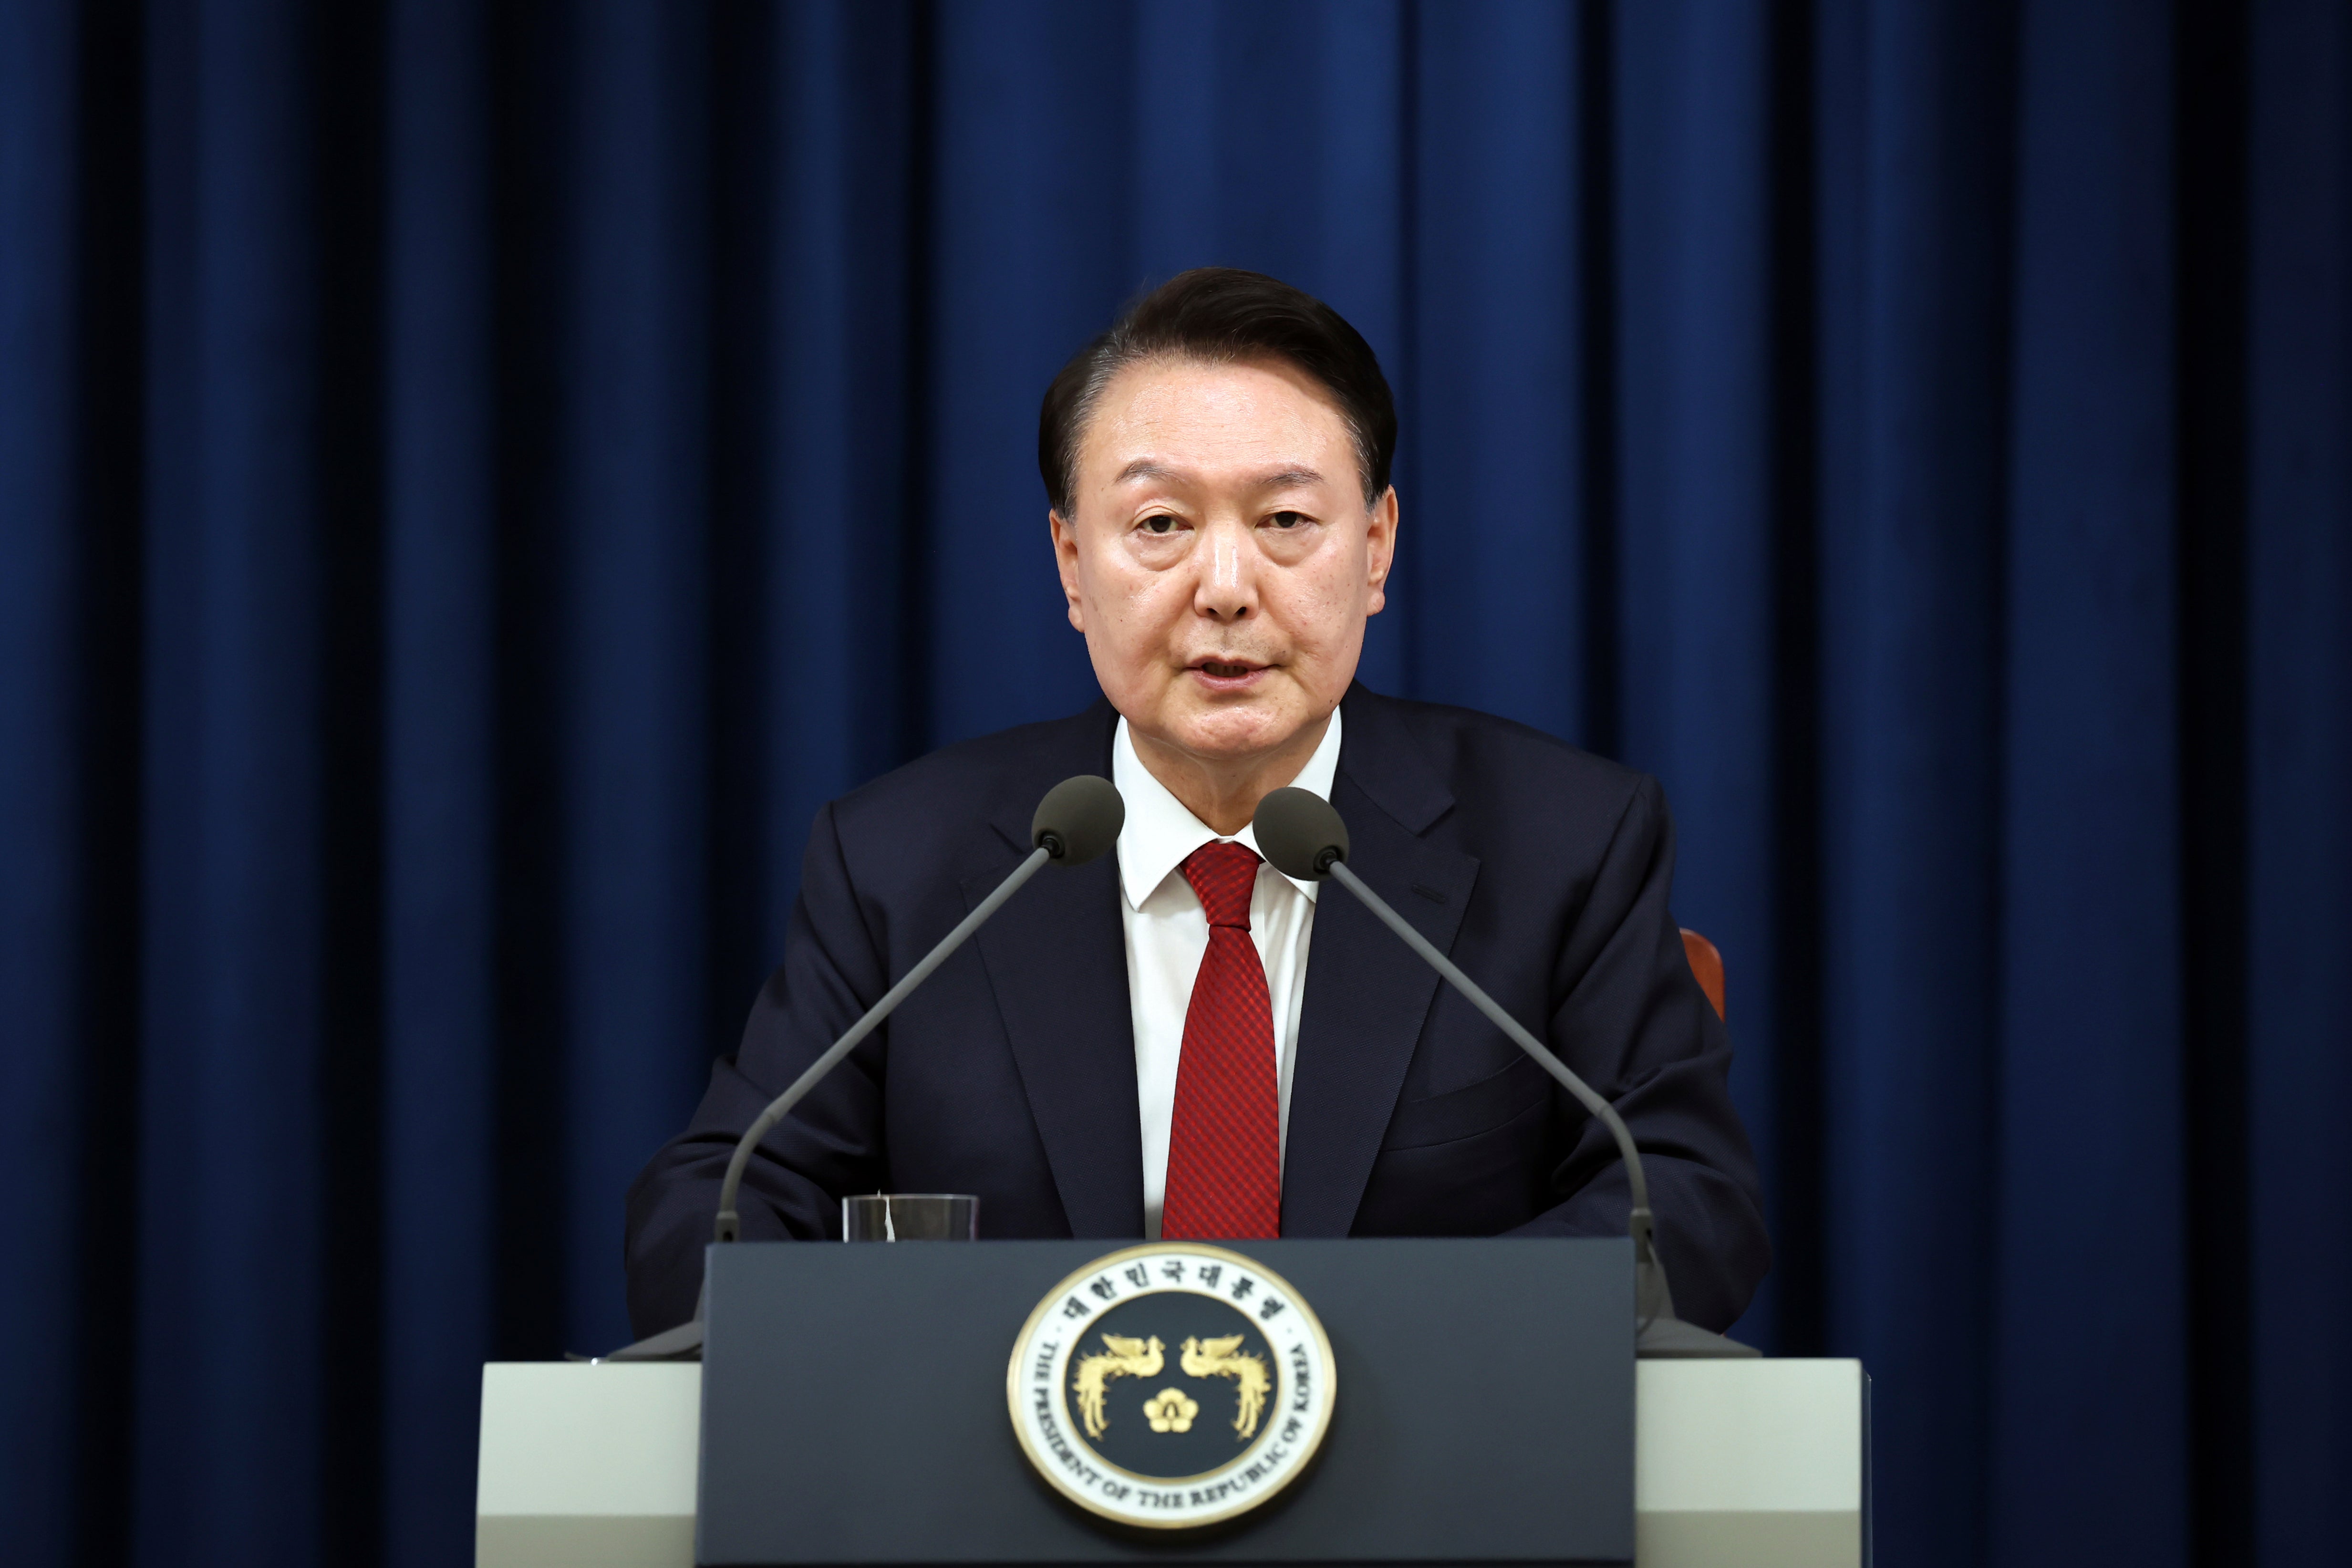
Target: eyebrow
[1286, 479]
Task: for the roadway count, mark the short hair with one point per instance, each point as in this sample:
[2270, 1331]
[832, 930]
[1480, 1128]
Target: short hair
[1222, 315]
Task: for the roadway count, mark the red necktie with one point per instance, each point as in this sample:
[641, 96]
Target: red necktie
[1224, 1142]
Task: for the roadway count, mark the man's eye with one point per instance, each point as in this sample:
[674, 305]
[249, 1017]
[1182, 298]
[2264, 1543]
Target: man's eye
[1160, 522]
[1287, 519]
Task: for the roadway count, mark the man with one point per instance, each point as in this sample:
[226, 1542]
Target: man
[1177, 1039]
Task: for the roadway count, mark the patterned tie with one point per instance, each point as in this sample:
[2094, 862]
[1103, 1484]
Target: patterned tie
[1224, 1148]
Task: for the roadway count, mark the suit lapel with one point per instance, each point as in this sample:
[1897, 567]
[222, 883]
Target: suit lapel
[1057, 961]
[1366, 996]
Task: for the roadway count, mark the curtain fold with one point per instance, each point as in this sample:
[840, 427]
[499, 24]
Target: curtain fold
[2091, 1068]
[1912, 288]
[440, 806]
[474, 482]
[41, 816]
[2298, 707]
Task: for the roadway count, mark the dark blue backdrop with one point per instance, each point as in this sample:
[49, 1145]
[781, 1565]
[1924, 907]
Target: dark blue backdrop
[473, 479]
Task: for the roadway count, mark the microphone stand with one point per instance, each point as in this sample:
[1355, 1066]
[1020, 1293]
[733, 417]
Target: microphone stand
[684, 1342]
[1657, 1332]
[729, 1226]
[1079, 819]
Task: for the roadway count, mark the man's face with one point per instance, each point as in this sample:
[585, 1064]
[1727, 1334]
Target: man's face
[1220, 560]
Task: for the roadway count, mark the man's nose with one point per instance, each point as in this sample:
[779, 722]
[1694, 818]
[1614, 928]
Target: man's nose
[1227, 590]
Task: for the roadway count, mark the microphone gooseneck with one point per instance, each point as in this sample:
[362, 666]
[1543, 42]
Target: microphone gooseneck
[1303, 837]
[730, 1226]
[1076, 822]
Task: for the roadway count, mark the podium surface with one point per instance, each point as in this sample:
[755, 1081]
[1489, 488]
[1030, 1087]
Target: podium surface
[1759, 1463]
[885, 1405]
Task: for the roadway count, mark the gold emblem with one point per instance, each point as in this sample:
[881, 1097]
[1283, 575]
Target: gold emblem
[1169, 1411]
[1192, 1325]
[1125, 1358]
[1225, 1358]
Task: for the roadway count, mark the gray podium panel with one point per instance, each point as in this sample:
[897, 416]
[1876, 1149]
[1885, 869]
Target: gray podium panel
[853, 1408]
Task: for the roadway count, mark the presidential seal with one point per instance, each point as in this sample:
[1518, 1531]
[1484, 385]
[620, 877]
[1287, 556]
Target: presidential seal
[1170, 1385]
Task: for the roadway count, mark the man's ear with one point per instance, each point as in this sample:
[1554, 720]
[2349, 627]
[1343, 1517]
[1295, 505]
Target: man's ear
[1380, 550]
[1066, 561]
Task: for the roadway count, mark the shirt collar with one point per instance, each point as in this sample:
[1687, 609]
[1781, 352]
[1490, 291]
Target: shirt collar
[1160, 832]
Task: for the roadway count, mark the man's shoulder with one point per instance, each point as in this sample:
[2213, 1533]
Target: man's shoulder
[1486, 760]
[937, 799]
[1495, 789]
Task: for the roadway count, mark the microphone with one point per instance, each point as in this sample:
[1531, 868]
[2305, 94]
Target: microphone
[1303, 837]
[1076, 822]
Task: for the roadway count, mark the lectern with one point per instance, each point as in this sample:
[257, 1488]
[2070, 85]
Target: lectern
[1329, 1402]
[856, 1409]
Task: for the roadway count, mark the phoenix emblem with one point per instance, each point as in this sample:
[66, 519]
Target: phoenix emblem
[1123, 1357]
[1225, 1358]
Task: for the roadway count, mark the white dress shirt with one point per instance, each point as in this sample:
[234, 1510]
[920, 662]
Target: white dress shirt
[1168, 934]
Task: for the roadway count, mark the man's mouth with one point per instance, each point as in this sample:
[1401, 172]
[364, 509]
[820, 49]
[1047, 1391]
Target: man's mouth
[1226, 669]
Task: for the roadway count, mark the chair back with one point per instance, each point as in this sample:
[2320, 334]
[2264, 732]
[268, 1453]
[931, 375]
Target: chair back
[1708, 964]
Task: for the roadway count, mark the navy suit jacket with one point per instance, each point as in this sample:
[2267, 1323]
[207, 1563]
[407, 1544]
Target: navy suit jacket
[1542, 871]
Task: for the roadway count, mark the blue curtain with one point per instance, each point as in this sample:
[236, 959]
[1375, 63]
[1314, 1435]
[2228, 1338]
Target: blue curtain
[474, 478]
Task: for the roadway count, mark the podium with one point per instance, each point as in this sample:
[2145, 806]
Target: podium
[1487, 1409]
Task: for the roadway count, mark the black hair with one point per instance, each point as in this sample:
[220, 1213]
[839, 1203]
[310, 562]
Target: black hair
[1224, 315]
